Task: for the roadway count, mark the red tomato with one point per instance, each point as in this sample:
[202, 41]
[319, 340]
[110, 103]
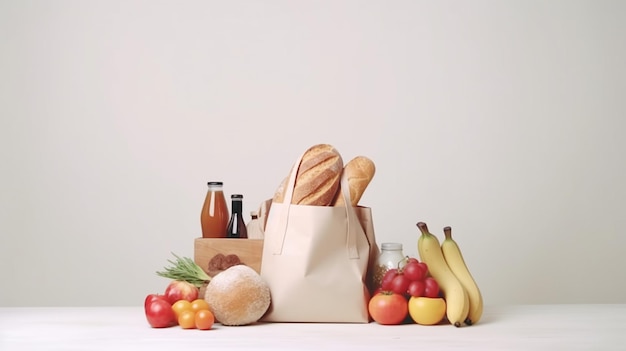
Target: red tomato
[388, 308]
[159, 312]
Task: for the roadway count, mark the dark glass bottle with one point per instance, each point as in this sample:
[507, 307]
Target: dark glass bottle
[236, 224]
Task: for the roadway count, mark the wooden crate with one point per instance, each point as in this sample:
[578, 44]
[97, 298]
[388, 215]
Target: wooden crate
[249, 251]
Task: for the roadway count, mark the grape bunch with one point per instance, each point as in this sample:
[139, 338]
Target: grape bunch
[412, 279]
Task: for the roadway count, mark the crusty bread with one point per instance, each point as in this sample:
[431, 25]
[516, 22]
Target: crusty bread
[238, 296]
[359, 172]
[279, 195]
[317, 179]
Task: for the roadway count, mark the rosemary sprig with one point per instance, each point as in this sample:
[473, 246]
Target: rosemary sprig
[185, 269]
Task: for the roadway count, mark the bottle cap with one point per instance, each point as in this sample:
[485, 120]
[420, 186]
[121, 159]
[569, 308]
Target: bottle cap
[236, 196]
[215, 183]
[391, 246]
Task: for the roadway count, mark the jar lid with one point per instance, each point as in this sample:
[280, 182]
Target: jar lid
[391, 246]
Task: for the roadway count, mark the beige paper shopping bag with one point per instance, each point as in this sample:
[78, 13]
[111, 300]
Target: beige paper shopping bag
[366, 219]
[315, 261]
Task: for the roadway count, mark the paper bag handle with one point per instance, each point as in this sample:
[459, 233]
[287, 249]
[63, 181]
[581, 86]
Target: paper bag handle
[283, 216]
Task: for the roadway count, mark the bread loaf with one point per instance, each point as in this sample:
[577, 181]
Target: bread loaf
[318, 177]
[279, 195]
[359, 172]
[238, 296]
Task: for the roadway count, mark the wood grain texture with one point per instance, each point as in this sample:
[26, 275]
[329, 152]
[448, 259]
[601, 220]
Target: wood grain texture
[249, 251]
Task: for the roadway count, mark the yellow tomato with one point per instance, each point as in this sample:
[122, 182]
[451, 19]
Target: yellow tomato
[427, 310]
[187, 319]
[199, 304]
[181, 306]
[204, 319]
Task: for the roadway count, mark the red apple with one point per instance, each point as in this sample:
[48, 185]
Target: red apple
[180, 290]
[153, 297]
[159, 312]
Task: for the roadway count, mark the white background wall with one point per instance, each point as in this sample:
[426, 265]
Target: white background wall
[503, 119]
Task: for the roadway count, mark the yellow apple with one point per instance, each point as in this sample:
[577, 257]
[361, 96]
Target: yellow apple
[427, 310]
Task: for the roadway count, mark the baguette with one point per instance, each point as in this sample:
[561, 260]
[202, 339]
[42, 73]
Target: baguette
[279, 195]
[359, 172]
[318, 177]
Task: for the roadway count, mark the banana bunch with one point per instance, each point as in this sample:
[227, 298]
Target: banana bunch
[464, 302]
[454, 259]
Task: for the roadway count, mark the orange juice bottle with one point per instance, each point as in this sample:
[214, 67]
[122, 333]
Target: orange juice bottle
[214, 216]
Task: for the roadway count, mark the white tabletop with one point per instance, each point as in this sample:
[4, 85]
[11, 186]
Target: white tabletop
[534, 327]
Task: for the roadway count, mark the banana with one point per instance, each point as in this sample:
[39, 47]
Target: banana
[454, 258]
[457, 300]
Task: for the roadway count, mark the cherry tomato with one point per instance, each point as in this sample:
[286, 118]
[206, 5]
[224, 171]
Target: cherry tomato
[400, 284]
[181, 306]
[388, 308]
[199, 304]
[204, 319]
[432, 287]
[159, 312]
[187, 319]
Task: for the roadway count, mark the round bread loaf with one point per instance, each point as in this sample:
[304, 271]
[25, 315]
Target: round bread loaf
[238, 296]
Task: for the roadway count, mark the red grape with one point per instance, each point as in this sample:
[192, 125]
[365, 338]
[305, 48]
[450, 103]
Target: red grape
[385, 283]
[424, 268]
[416, 288]
[432, 287]
[400, 284]
[414, 271]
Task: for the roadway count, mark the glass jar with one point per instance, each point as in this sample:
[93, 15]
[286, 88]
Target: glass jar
[391, 256]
